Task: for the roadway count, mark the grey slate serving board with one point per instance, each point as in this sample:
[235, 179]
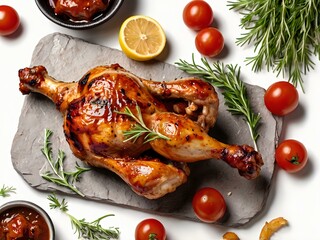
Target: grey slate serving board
[67, 59]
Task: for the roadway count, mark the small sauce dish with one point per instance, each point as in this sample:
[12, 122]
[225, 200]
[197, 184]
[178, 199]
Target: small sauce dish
[25, 220]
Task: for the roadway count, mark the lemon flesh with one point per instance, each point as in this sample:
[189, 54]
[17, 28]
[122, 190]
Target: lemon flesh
[141, 38]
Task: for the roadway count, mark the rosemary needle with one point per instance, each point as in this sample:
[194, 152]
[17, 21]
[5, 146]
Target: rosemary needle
[285, 34]
[227, 79]
[140, 128]
[87, 230]
[58, 175]
[5, 191]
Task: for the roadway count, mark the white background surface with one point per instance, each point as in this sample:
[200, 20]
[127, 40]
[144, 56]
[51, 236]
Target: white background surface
[293, 196]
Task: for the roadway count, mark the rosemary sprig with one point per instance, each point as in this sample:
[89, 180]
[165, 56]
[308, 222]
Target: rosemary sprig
[59, 175]
[88, 230]
[140, 128]
[286, 34]
[6, 190]
[227, 79]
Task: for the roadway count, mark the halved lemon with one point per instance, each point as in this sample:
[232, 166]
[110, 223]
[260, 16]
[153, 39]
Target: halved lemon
[141, 38]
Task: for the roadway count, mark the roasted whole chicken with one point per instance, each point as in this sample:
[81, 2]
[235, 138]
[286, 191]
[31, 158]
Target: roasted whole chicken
[96, 128]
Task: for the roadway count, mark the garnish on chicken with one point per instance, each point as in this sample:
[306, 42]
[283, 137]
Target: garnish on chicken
[181, 110]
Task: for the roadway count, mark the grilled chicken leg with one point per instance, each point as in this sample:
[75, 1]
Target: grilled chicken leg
[181, 110]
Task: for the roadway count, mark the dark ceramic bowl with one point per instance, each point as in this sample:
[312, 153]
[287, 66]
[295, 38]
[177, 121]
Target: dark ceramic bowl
[48, 11]
[7, 208]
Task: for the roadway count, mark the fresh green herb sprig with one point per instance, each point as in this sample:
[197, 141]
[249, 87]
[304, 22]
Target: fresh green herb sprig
[227, 79]
[140, 128]
[88, 230]
[58, 175]
[5, 191]
[286, 34]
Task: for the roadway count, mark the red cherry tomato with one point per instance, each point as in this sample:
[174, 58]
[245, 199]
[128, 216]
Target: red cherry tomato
[197, 15]
[209, 42]
[291, 155]
[209, 205]
[9, 20]
[150, 229]
[281, 98]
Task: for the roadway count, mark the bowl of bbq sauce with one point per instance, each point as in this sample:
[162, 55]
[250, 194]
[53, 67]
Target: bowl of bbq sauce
[25, 220]
[79, 14]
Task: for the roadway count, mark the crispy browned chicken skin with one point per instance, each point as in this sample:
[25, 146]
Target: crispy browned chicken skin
[182, 110]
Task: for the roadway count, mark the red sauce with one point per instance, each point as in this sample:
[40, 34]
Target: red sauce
[79, 10]
[22, 223]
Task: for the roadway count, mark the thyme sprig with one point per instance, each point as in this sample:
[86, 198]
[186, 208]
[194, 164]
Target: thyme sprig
[88, 230]
[58, 175]
[227, 79]
[140, 128]
[5, 191]
[285, 34]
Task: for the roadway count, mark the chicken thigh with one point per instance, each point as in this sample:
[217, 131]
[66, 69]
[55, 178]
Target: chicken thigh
[180, 110]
